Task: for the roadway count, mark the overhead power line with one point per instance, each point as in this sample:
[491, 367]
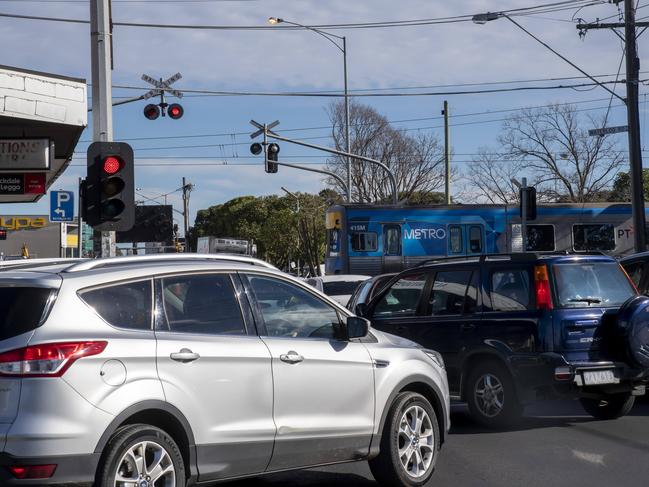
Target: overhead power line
[544, 8]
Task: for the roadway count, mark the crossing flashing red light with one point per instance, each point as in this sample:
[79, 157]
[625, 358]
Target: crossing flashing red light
[175, 111]
[151, 111]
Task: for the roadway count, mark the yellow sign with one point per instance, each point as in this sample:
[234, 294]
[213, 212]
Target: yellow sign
[22, 222]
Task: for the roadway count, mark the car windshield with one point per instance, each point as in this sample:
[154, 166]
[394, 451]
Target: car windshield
[594, 284]
[340, 288]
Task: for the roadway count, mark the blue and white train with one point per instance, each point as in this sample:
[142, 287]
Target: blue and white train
[370, 240]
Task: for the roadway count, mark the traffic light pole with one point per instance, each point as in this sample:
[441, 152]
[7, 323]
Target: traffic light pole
[633, 115]
[102, 113]
[393, 181]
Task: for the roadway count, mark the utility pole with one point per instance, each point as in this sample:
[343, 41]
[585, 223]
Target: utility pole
[187, 188]
[633, 115]
[102, 79]
[447, 155]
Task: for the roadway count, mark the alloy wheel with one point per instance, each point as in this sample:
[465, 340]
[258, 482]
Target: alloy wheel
[145, 464]
[489, 395]
[416, 442]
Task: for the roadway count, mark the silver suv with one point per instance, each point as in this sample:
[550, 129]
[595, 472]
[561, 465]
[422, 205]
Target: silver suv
[174, 371]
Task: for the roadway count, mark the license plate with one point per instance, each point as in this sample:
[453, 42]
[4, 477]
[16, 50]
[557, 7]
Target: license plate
[595, 377]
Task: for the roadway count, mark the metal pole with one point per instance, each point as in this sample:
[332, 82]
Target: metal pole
[633, 117]
[102, 113]
[186, 215]
[321, 171]
[347, 139]
[393, 181]
[80, 220]
[447, 156]
[524, 214]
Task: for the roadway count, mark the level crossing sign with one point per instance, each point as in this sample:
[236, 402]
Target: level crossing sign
[61, 206]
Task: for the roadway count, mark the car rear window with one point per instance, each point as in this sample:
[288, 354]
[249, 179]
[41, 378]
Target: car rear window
[591, 284]
[22, 309]
[124, 305]
[340, 288]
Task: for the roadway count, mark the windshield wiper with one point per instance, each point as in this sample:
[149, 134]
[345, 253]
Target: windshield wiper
[586, 300]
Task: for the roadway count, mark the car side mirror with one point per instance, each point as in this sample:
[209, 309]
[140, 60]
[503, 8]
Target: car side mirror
[362, 310]
[357, 327]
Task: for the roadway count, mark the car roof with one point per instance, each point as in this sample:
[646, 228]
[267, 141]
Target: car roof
[638, 256]
[523, 257]
[343, 278]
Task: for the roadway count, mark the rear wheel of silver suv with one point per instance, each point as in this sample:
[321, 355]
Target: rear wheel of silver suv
[141, 456]
[410, 443]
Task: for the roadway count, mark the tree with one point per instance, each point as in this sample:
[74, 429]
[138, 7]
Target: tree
[259, 219]
[567, 163]
[622, 186]
[417, 161]
[490, 177]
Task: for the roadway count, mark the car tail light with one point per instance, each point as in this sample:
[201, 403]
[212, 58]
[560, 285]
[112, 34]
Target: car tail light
[46, 360]
[33, 471]
[542, 287]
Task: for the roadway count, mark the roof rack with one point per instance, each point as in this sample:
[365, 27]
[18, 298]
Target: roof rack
[513, 256]
[42, 262]
[138, 259]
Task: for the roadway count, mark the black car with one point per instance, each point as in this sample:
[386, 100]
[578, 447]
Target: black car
[366, 290]
[637, 267]
[517, 328]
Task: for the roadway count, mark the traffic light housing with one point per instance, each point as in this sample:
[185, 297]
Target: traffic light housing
[151, 111]
[529, 195]
[272, 153]
[109, 189]
[175, 111]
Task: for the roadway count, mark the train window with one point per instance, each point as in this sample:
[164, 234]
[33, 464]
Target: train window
[540, 238]
[593, 237]
[455, 243]
[391, 240]
[475, 239]
[364, 241]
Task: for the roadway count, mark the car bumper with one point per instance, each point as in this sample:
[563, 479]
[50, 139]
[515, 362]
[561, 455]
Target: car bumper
[70, 469]
[552, 375]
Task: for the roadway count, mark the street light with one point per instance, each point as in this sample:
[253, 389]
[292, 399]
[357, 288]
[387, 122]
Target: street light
[330, 37]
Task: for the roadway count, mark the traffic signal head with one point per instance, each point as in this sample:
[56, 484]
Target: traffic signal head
[109, 193]
[151, 111]
[175, 111]
[529, 196]
[272, 156]
[256, 148]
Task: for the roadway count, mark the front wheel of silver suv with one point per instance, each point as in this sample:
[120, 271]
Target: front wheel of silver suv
[410, 443]
[143, 456]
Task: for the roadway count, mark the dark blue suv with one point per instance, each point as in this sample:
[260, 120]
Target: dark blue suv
[516, 328]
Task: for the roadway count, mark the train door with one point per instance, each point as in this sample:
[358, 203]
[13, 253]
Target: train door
[392, 248]
[466, 239]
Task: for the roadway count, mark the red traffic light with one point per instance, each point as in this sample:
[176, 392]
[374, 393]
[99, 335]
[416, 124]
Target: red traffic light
[175, 111]
[112, 164]
[151, 111]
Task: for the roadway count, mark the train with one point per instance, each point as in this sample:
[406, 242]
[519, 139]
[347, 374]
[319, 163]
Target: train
[376, 239]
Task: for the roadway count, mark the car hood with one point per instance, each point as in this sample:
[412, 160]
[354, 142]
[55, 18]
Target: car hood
[388, 340]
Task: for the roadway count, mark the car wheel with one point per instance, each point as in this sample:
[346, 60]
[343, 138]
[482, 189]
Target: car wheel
[491, 395]
[410, 443]
[610, 406]
[143, 456]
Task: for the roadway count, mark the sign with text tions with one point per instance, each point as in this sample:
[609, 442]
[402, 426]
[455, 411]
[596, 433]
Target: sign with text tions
[26, 154]
[18, 184]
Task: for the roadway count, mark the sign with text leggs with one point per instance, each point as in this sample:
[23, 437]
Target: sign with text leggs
[18, 184]
[26, 154]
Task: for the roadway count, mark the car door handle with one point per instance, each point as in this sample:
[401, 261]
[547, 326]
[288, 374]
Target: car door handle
[291, 357]
[185, 355]
[468, 326]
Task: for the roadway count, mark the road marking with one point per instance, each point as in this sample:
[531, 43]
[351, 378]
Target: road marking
[589, 457]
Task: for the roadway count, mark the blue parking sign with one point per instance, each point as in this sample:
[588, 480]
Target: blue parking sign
[61, 206]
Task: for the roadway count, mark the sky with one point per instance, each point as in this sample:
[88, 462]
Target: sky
[210, 144]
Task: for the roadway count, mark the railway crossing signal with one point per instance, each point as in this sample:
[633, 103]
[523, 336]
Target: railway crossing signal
[153, 111]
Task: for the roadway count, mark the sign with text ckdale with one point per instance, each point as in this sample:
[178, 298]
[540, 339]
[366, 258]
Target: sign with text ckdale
[25, 154]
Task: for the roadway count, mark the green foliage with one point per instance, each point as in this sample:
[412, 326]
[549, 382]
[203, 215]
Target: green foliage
[282, 233]
[622, 186]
